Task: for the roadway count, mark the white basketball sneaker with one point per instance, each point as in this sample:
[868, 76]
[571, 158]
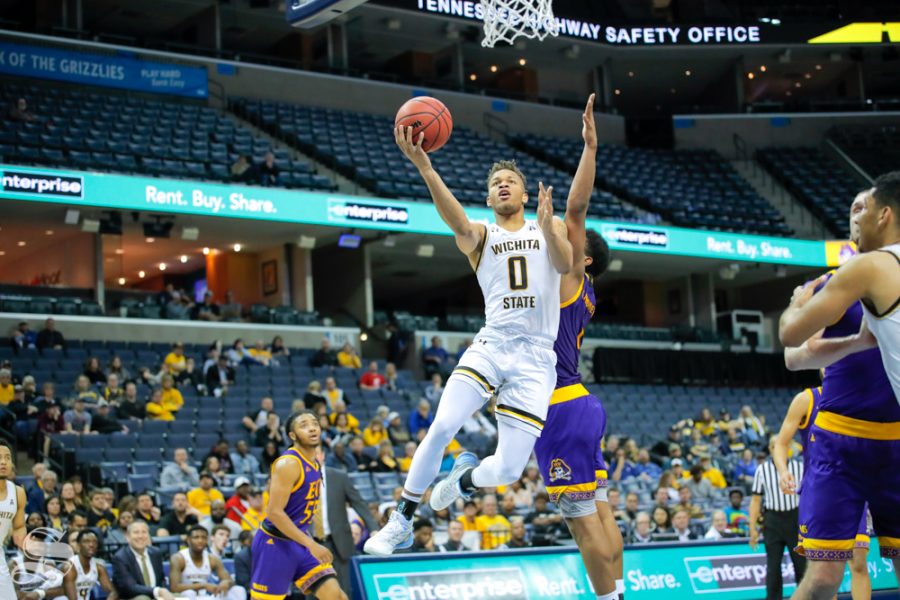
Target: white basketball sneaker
[396, 535]
[448, 490]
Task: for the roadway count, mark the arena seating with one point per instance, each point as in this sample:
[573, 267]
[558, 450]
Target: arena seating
[876, 149]
[815, 179]
[690, 188]
[101, 131]
[361, 146]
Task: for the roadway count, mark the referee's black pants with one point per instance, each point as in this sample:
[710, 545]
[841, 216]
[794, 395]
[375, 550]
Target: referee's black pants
[780, 529]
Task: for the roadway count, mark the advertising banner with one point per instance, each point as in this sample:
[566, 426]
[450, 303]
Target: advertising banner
[726, 570]
[126, 192]
[103, 70]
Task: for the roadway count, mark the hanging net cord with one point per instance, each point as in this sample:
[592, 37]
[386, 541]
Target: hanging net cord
[505, 20]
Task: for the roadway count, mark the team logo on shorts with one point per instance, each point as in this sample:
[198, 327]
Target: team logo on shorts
[559, 470]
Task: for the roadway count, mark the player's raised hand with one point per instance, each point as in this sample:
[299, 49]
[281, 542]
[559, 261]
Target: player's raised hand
[589, 127]
[545, 209]
[412, 148]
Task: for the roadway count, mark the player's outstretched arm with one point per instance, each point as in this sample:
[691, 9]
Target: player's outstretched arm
[818, 352]
[18, 523]
[468, 235]
[583, 182]
[796, 414]
[807, 313]
[554, 230]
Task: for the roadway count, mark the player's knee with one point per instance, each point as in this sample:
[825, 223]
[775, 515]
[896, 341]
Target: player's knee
[508, 473]
[439, 434]
[824, 575]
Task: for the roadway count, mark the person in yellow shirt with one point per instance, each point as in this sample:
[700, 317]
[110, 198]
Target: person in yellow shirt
[156, 409]
[340, 408]
[261, 353]
[7, 389]
[375, 433]
[332, 392]
[202, 497]
[469, 518]
[348, 357]
[254, 515]
[175, 362]
[495, 529]
[404, 461]
[171, 396]
[715, 476]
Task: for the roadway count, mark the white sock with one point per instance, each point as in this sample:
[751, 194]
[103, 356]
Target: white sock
[620, 586]
[609, 596]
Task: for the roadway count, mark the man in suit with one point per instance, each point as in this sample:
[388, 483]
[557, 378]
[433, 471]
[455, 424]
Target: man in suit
[138, 567]
[243, 560]
[336, 533]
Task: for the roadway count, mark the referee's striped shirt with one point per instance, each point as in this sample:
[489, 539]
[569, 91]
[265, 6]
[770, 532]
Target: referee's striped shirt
[765, 484]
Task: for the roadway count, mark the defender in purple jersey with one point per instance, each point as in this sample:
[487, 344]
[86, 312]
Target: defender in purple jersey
[802, 412]
[568, 451]
[284, 551]
[854, 440]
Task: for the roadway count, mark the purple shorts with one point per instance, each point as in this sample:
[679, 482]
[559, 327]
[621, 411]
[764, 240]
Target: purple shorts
[568, 452]
[278, 562]
[844, 475]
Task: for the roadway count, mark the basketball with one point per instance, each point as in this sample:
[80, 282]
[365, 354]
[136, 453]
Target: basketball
[429, 116]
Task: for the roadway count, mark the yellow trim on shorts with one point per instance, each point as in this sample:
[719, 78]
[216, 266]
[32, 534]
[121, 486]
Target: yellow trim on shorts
[471, 374]
[814, 544]
[519, 417]
[577, 295]
[578, 487]
[260, 596]
[568, 392]
[888, 542]
[601, 474]
[862, 538]
[849, 426]
[314, 571]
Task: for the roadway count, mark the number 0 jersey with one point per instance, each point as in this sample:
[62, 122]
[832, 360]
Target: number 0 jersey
[519, 284]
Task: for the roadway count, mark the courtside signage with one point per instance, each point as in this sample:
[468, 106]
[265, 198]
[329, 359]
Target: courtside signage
[726, 570]
[103, 70]
[178, 196]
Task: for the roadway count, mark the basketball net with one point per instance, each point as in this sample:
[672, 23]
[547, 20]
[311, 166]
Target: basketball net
[505, 20]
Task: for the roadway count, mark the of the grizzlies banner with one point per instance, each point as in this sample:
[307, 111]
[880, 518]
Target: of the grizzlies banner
[103, 70]
[724, 570]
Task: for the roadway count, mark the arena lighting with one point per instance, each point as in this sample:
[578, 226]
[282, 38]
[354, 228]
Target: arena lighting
[72, 217]
[425, 250]
[762, 68]
[162, 266]
[307, 242]
[493, 68]
[349, 240]
[183, 258]
[522, 62]
[473, 77]
[363, 336]
[120, 251]
[206, 252]
[90, 225]
[121, 281]
[21, 243]
[750, 75]
[237, 247]
[687, 73]
[48, 232]
[617, 91]
[190, 234]
[141, 274]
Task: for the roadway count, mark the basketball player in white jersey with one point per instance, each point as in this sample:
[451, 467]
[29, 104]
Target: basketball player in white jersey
[872, 277]
[12, 515]
[518, 264]
[87, 571]
[191, 571]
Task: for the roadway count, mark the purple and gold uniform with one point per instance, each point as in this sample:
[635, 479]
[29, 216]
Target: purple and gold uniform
[852, 455]
[568, 452]
[279, 561]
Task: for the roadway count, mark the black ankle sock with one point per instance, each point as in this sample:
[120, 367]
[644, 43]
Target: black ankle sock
[465, 482]
[407, 508]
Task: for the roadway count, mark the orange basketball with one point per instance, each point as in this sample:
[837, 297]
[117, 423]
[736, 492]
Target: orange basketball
[429, 116]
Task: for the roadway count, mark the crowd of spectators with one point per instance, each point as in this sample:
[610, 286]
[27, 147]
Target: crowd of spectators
[178, 304]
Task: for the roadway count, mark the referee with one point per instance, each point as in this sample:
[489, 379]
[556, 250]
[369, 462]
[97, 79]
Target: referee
[780, 523]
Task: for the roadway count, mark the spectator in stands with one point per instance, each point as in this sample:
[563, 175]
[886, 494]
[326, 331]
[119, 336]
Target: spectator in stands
[85, 391]
[421, 419]
[278, 349]
[20, 112]
[268, 171]
[546, 523]
[156, 408]
[435, 389]
[191, 377]
[662, 522]
[255, 513]
[243, 560]
[620, 467]
[745, 469]
[409, 450]
[494, 528]
[340, 408]
[348, 357]
[238, 354]
[77, 418]
[99, 515]
[179, 474]
[207, 310]
[468, 519]
[180, 519]
[423, 536]
[681, 522]
[719, 528]
[130, 407]
[7, 389]
[324, 356]
[243, 170]
[220, 377]
[705, 423]
[314, 398]
[737, 518]
[53, 511]
[146, 511]
[49, 337]
[216, 517]
[375, 433]
[662, 448]
[332, 392]
[223, 453]
[386, 461]
[731, 443]
[112, 392]
[50, 422]
[435, 358]
[712, 473]
[78, 521]
[260, 353]
[644, 469]
[40, 491]
[220, 543]
[232, 309]
[508, 505]
[239, 502]
[212, 465]
[175, 361]
[701, 488]
[397, 431]
[455, 533]
[754, 430]
[340, 459]
[23, 338]
[631, 508]
[269, 455]
[103, 422]
[391, 377]
[117, 536]
[94, 372]
[642, 531]
[675, 454]
[364, 461]
[328, 434]
[116, 368]
[271, 432]
[138, 567]
[685, 495]
[179, 307]
[670, 484]
[205, 494]
[661, 498]
[70, 501]
[372, 379]
[243, 462]
[517, 538]
[29, 389]
[165, 296]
